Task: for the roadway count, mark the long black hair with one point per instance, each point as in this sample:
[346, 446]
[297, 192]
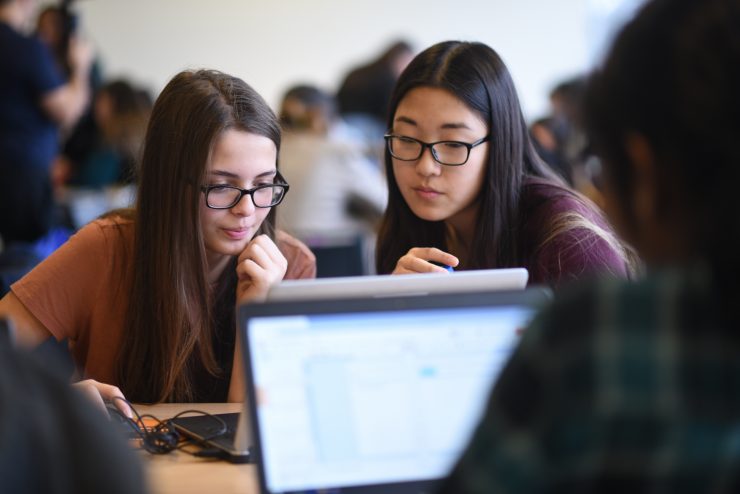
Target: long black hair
[475, 74]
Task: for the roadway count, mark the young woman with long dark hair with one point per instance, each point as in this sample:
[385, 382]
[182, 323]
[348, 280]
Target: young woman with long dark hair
[466, 188]
[147, 297]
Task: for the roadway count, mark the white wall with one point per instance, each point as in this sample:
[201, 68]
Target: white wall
[605, 17]
[273, 44]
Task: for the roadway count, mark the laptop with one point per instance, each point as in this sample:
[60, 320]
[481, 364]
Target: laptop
[373, 394]
[225, 433]
[400, 285]
[232, 441]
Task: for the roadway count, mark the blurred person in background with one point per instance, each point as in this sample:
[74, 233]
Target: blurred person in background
[338, 191]
[35, 104]
[548, 142]
[561, 140]
[56, 27]
[365, 92]
[106, 151]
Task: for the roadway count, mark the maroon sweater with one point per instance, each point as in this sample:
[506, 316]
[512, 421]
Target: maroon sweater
[571, 253]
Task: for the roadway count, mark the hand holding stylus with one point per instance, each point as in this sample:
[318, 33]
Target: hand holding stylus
[426, 260]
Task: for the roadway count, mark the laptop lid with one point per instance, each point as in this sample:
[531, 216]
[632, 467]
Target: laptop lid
[392, 286]
[226, 433]
[374, 394]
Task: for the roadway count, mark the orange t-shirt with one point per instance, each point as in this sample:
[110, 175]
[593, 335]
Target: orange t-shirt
[81, 291]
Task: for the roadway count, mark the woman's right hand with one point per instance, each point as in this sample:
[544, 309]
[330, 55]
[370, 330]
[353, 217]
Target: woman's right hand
[99, 393]
[260, 266]
[419, 260]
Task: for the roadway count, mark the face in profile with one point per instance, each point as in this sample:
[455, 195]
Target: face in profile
[243, 160]
[433, 191]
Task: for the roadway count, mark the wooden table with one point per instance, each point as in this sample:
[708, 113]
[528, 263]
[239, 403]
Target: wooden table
[181, 473]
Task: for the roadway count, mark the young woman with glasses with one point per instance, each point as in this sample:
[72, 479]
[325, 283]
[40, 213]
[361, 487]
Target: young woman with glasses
[466, 188]
[147, 297]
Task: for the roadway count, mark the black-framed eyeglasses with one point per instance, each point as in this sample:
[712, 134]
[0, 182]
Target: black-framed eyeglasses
[450, 153]
[224, 196]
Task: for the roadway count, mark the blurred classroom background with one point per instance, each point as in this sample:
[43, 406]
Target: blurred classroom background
[273, 45]
[321, 49]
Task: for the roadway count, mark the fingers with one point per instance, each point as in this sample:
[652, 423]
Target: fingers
[260, 266]
[99, 393]
[91, 393]
[419, 260]
[253, 261]
[264, 255]
[116, 397]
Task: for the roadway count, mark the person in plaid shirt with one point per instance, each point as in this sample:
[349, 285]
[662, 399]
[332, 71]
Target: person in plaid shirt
[635, 386]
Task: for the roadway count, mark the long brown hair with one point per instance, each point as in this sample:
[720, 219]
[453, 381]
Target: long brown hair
[170, 321]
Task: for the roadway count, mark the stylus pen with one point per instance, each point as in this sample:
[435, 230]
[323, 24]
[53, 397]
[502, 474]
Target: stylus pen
[448, 268]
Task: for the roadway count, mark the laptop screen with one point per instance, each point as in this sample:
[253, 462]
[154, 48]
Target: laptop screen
[373, 398]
